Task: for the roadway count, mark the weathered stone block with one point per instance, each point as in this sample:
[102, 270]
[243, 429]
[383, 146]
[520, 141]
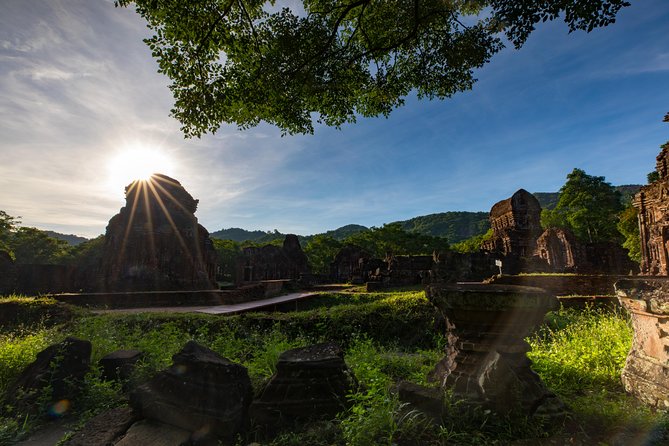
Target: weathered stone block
[62, 367]
[119, 364]
[151, 433]
[201, 392]
[310, 383]
[427, 400]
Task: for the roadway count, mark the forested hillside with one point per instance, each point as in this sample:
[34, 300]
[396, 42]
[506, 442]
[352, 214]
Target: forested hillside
[71, 239]
[455, 226]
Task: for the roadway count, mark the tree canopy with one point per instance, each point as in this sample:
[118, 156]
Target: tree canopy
[321, 250]
[392, 239]
[588, 206]
[29, 245]
[629, 228]
[247, 61]
[7, 227]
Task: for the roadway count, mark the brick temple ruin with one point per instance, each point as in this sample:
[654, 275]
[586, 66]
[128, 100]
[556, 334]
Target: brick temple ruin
[523, 246]
[350, 265]
[652, 205]
[646, 371]
[271, 262]
[155, 241]
[516, 225]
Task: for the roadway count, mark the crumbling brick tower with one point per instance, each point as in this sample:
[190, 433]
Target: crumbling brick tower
[652, 204]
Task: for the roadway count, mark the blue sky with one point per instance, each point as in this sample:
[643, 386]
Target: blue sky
[78, 86]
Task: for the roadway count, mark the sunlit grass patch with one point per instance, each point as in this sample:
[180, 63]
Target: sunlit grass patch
[20, 348]
[582, 350]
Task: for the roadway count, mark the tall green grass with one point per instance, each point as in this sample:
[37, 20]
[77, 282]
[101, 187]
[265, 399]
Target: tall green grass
[582, 349]
[580, 355]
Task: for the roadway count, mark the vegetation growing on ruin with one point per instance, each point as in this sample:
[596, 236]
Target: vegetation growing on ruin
[387, 337]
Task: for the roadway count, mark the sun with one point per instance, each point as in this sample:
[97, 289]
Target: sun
[137, 163]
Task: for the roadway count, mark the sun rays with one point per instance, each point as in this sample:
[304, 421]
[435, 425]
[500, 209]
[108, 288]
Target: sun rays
[152, 197]
[137, 162]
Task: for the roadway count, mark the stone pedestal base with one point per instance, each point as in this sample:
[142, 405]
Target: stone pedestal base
[646, 372]
[485, 360]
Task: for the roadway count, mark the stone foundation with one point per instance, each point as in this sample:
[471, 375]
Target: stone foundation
[565, 284]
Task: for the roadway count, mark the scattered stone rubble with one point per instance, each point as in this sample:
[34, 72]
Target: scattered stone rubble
[203, 398]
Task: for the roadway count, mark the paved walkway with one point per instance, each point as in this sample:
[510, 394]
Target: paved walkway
[218, 309]
[48, 435]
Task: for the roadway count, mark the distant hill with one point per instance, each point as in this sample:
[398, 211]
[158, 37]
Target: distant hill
[345, 231]
[628, 191]
[72, 239]
[454, 226]
[548, 200]
[242, 235]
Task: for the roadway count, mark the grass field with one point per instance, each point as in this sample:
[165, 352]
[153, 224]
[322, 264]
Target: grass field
[387, 337]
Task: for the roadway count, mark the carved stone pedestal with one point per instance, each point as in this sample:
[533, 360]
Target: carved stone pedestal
[485, 360]
[646, 372]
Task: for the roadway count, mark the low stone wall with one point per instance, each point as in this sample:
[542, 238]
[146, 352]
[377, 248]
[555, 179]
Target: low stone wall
[564, 284]
[40, 279]
[276, 287]
[143, 299]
